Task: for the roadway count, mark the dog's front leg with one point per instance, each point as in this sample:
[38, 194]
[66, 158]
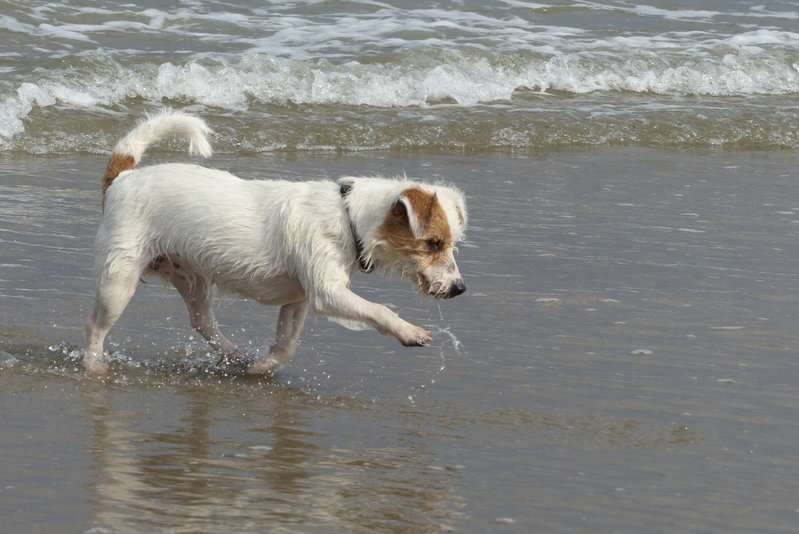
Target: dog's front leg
[345, 304]
[289, 325]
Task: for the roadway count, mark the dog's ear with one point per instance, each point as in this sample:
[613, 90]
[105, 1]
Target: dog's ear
[416, 207]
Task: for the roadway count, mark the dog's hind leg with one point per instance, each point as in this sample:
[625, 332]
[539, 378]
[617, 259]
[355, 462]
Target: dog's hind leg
[114, 291]
[198, 296]
[289, 325]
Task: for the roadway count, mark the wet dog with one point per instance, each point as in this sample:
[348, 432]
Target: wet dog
[291, 244]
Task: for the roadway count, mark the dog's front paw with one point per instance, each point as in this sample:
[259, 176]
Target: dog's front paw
[415, 337]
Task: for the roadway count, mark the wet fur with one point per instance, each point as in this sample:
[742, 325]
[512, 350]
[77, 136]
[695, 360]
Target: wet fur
[291, 244]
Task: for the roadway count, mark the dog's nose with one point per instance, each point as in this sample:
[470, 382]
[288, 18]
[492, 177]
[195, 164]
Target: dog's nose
[457, 288]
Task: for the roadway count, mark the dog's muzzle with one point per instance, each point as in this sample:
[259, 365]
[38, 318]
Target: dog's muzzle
[457, 288]
[440, 290]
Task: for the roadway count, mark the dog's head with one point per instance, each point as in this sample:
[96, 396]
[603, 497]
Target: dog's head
[417, 238]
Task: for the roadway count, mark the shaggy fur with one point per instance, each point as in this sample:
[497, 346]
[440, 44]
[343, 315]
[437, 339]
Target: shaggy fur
[291, 244]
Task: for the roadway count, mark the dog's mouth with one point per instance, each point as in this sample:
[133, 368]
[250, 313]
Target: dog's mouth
[439, 290]
[424, 284]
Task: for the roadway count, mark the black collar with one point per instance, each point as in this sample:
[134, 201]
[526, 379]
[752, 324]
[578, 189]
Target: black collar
[365, 267]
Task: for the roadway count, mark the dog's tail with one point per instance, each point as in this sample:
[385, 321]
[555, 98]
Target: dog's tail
[129, 150]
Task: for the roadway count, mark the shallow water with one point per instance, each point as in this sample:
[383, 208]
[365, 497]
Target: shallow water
[624, 361]
[624, 358]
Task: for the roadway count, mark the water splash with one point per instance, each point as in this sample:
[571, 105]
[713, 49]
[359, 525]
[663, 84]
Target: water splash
[450, 340]
[64, 360]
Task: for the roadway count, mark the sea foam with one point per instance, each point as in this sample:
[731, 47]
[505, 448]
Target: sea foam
[465, 78]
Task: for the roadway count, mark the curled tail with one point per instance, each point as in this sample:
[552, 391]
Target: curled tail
[129, 150]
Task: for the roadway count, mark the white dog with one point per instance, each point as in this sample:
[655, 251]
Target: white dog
[291, 244]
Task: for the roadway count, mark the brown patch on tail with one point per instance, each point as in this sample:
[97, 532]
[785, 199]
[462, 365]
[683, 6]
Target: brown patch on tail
[117, 164]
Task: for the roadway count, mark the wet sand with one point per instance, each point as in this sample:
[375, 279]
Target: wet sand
[623, 361]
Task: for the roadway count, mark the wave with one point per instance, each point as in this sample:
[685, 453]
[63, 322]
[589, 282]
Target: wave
[624, 89]
[417, 78]
[414, 78]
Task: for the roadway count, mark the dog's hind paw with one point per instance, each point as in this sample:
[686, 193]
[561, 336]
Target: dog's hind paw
[263, 366]
[237, 361]
[95, 364]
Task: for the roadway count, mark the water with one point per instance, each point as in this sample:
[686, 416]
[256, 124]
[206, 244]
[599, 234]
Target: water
[353, 76]
[624, 359]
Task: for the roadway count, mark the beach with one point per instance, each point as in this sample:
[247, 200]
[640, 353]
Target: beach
[624, 358]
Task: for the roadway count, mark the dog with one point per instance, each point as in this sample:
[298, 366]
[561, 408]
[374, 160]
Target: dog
[292, 244]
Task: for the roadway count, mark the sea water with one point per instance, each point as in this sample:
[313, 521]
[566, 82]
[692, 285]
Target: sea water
[464, 76]
[624, 358]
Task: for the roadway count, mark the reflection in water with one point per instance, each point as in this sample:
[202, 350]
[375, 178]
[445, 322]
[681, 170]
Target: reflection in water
[235, 467]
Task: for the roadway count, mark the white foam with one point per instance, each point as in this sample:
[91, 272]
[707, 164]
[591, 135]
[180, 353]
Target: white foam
[547, 300]
[265, 80]
[10, 23]
[63, 32]
[14, 109]
[675, 14]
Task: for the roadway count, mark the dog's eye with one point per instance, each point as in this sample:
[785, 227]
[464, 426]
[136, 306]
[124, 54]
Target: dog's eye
[434, 244]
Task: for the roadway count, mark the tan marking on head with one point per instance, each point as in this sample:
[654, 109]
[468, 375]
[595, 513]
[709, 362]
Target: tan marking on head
[433, 236]
[116, 165]
[419, 203]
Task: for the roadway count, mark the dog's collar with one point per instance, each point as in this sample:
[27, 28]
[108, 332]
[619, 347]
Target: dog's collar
[362, 264]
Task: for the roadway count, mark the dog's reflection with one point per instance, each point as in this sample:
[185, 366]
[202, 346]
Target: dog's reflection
[198, 467]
